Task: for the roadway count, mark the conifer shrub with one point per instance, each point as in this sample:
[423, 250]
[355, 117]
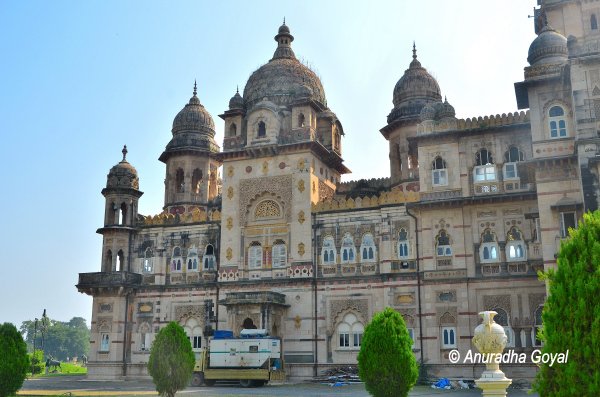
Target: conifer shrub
[571, 315]
[386, 362]
[172, 361]
[14, 361]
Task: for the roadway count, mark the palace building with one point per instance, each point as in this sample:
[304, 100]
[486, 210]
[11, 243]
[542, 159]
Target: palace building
[261, 233]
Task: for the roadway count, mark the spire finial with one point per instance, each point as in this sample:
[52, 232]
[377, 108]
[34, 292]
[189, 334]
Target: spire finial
[284, 20]
[124, 151]
[237, 89]
[414, 50]
[195, 88]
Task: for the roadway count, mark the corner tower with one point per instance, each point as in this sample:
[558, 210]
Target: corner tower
[191, 179]
[415, 89]
[281, 153]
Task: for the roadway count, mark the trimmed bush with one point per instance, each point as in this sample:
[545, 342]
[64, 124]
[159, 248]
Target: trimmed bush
[171, 360]
[571, 315]
[14, 364]
[36, 360]
[386, 362]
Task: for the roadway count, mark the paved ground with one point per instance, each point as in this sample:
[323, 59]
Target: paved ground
[79, 386]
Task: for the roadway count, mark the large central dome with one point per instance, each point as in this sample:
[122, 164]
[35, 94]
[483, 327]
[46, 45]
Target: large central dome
[283, 79]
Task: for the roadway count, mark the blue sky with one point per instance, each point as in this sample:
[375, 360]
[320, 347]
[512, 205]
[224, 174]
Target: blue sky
[81, 78]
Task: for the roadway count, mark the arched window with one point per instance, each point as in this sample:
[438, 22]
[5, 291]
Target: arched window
[484, 170]
[557, 122]
[439, 175]
[104, 342]
[348, 250]
[403, 245]
[147, 261]
[503, 319]
[176, 260]
[108, 259]
[123, 214]
[262, 129]
[196, 180]
[593, 22]
[179, 184]
[209, 260]
[350, 331]
[193, 330]
[448, 337]
[192, 260]
[488, 250]
[328, 251]
[279, 254]
[120, 261]
[255, 255]
[367, 248]
[516, 250]
[442, 243]
[511, 157]
[537, 325]
[301, 120]
[232, 129]
[144, 331]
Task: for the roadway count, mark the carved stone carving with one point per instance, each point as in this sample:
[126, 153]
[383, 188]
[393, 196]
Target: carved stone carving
[325, 192]
[105, 308]
[535, 300]
[104, 324]
[446, 296]
[301, 185]
[404, 299]
[230, 192]
[182, 313]
[337, 307]
[280, 186]
[301, 250]
[267, 209]
[229, 223]
[301, 217]
[230, 171]
[409, 316]
[447, 315]
[490, 302]
[229, 254]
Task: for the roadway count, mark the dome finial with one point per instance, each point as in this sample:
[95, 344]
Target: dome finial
[195, 88]
[414, 50]
[124, 151]
[237, 89]
[284, 20]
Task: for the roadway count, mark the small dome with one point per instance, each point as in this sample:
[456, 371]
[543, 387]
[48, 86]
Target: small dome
[283, 79]
[415, 89]
[437, 111]
[549, 47]
[194, 118]
[123, 174]
[236, 101]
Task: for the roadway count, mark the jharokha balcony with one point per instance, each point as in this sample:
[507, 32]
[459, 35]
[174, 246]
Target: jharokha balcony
[108, 282]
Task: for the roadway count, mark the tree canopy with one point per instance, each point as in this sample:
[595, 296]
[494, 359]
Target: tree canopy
[61, 339]
[172, 361]
[15, 362]
[386, 362]
[571, 315]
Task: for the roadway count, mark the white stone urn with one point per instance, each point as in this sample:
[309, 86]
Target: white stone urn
[490, 339]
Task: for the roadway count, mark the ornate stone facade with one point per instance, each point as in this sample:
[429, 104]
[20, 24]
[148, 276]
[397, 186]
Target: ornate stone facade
[472, 210]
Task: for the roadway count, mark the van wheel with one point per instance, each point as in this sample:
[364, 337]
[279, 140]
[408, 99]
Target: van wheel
[246, 383]
[197, 379]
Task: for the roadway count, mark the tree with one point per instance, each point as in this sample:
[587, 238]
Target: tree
[61, 340]
[571, 315]
[171, 360]
[15, 362]
[386, 362]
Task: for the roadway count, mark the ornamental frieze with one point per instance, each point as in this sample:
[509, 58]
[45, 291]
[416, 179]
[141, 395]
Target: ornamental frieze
[281, 186]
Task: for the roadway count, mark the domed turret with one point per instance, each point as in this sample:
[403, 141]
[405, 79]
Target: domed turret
[123, 175]
[193, 129]
[194, 118]
[415, 89]
[236, 101]
[437, 111]
[283, 79]
[549, 47]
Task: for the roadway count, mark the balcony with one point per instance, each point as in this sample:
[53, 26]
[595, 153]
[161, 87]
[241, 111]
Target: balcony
[112, 282]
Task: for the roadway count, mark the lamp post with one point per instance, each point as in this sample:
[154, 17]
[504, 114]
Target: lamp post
[34, 336]
[43, 329]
